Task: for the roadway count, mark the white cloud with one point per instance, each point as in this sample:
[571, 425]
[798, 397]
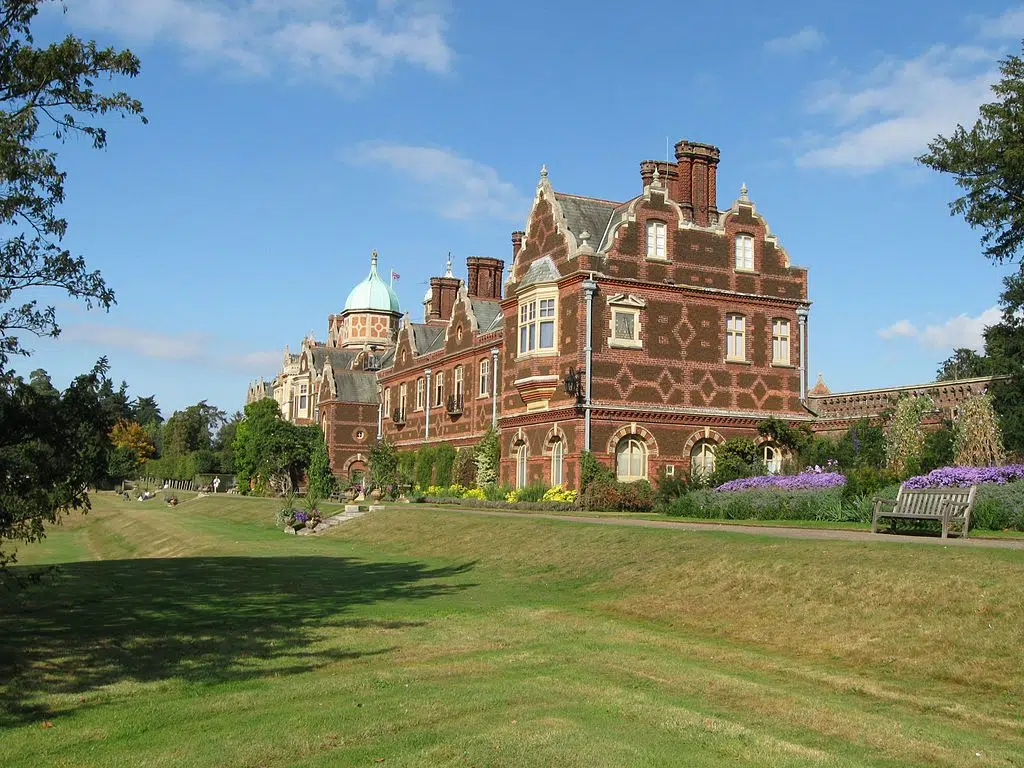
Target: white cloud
[1008, 25]
[901, 328]
[192, 348]
[802, 41]
[458, 188]
[307, 37]
[890, 114]
[960, 331]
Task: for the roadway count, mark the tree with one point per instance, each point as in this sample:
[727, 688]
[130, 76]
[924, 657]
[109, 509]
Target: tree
[488, 457]
[44, 95]
[964, 364]
[270, 451]
[131, 437]
[986, 161]
[321, 481]
[53, 446]
[146, 411]
[383, 465]
[190, 430]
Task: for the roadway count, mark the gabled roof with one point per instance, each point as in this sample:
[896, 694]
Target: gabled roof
[427, 338]
[488, 314]
[340, 358]
[355, 386]
[586, 214]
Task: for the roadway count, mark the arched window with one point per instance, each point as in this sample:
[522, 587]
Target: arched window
[772, 456]
[521, 454]
[702, 459]
[631, 459]
[557, 457]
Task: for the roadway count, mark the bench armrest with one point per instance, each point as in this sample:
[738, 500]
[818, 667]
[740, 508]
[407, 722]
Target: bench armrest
[880, 503]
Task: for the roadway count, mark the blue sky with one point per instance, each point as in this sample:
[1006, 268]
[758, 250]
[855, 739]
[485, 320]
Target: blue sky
[288, 138]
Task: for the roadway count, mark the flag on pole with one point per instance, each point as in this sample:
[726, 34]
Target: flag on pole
[395, 276]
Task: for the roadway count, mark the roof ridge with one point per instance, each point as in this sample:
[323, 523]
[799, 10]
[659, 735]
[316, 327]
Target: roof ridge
[588, 197]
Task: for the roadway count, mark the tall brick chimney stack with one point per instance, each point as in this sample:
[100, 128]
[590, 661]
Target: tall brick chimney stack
[484, 277]
[443, 292]
[668, 176]
[698, 181]
[517, 243]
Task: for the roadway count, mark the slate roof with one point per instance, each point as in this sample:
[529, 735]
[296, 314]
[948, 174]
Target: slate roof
[341, 358]
[427, 338]
[356, 386]
[543, 270]
[586, 214]
[488, 314]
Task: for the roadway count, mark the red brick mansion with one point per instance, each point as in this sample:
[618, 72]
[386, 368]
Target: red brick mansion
[647, 331]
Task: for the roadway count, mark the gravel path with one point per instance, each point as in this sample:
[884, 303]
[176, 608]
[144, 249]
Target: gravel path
[828, 534]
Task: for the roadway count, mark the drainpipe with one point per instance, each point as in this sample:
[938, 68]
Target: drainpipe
[426, 430]
[494, 387]
[589, 289]
[801, 314]
[380, 412]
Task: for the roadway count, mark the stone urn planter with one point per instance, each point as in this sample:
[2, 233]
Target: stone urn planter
[376, 493]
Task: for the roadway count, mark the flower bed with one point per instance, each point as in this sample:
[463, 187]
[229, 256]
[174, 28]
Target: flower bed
[808, 480]
[965, 476]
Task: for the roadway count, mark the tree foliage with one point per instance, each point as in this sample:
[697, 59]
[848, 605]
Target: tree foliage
[488, 458]
[46, 96]
[53, 446]
[963, 364]
[130, 436]
[383, 461]
[270, 451]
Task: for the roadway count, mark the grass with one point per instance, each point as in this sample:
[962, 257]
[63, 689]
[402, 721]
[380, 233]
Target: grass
[201, 636]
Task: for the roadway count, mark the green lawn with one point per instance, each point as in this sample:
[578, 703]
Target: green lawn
[201, 636]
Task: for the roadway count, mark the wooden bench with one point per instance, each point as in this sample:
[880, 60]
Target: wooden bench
[946, 505]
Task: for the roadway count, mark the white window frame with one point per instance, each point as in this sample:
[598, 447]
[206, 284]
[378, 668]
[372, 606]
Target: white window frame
[771, 454]
[537, 310]
[303, 399]
[636, 454]
[557, 463]
[485, 377]
[735, 337]
[780, 341]
[622, 303]
[387, 401]
[744, 246]
[522, 467]
[657, 241]
[460, 378]
[702, 459]
[403, 397]
[421, 391]
[439, 389]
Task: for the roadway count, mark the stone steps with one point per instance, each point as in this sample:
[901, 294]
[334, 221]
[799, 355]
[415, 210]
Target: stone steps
[352, 511]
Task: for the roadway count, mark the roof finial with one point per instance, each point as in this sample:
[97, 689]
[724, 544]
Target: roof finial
[448, 266]
[584, 237]
[656, 179]
[743, 193]
[373, 260]
[544, 171]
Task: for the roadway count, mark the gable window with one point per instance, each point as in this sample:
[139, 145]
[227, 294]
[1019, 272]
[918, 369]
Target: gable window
[485, 377]
[702, 460]
[780, 342]
[303, 397]
[403, 397]
[656, 233]
[630, 460]
[735, 337]
[420, 394]
[439, 388]
[745, 253]
[624, 319]
[537, 325]
[557, 457]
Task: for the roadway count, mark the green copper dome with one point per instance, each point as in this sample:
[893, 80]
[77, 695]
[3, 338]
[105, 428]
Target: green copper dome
[372, 294]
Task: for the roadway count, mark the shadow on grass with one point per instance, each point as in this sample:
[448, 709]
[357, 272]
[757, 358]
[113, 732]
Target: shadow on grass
[203, 620]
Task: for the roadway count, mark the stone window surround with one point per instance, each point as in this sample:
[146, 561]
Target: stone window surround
[536, 293]
[628, 303]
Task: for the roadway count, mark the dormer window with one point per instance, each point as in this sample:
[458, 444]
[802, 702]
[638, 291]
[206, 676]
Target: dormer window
[745, 253]
[656, 234]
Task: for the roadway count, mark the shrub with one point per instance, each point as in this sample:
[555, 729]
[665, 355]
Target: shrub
[531, 492]
[768, 504]
[444, 462]
[383, 463]
[495, 492]
[321, 482]
[867, 481]
[591, 469]
[808, 479]
[488, 457]
[965, 476]
[424, 469]
[999, 506]
[558, 493]
[938, 449]
[669, 487]
[736, 458]
[474, 493]
[464, 468]
[601, 493]
[406, 471]
[637, 496]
